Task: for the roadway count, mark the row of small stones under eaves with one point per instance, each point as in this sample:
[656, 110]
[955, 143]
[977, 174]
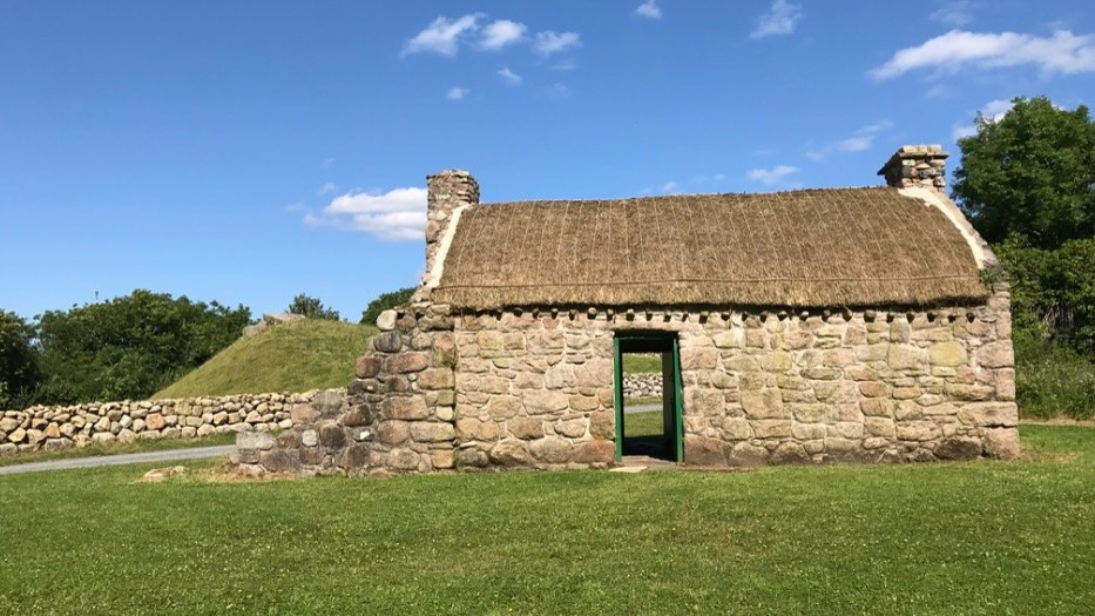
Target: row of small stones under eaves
[728, 317]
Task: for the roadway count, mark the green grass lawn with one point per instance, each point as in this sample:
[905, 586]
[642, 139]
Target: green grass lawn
[642, 363]
[949, 539]
[643, 424]
[292, 357]
[139, 446]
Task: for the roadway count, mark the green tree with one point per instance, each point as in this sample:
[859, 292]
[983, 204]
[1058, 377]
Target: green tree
[384, 302]
[312, 308]
[19, 370]
[129, 347]
[1030, 174]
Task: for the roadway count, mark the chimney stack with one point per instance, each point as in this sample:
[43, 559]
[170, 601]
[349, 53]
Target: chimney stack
[446, 191]
[917, 165]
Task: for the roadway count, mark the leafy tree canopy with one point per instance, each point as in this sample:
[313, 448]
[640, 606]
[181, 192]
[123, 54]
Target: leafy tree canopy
[384, 302]
[129, 347]
[19, 370]
[312, 308]
[1030, 174]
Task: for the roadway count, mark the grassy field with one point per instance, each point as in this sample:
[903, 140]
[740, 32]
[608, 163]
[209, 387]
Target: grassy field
[951, 539]
[643, 424]
[292, 357]
[139, 446]
[642, 363]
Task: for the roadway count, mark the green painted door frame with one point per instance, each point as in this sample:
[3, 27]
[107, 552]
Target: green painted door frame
[678, 399]
[618, 392]
[668, 346]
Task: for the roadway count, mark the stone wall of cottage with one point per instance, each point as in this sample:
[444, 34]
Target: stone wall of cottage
[51, 428]
[397, 415]
[534, 389]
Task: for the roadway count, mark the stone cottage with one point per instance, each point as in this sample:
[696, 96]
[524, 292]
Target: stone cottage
[809, 326]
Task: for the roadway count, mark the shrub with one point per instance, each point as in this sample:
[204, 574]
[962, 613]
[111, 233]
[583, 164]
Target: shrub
[1052, 379]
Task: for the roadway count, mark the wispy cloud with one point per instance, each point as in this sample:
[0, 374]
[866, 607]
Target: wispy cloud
[1063, 52]
[994, 111]
[328, 162]
[782, 18]
[457, 93]
[500, 33]
[397, 215]
[443, 35]
[671, 187]
[509, 76]
[773, 176]
[954, 12]
[551, 42]
[862, 139]
[327, 189]
[649, 9]
[559, 91]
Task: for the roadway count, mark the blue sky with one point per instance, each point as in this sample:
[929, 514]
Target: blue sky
[247, 151]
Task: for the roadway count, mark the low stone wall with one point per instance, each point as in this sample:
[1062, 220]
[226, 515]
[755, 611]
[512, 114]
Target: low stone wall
[79, 425]
[642, 386]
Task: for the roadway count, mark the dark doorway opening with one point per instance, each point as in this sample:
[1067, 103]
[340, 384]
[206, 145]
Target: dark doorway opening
[647, 424]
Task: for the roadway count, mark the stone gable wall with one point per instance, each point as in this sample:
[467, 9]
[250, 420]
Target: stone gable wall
[532, 389]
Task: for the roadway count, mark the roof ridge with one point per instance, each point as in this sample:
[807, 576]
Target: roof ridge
[679, 195]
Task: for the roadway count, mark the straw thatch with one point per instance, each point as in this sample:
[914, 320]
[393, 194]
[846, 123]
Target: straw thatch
[810, 248]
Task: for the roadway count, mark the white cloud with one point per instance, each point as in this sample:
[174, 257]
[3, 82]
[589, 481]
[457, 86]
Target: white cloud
[955, 13]
[396, 215]
[443, 35]
[993, 111]
[550, 42]
[564, 66]
[457, 93]
[773, 176]
[1063, 52]
[781, 18]
[509, 76]
[328, 162]
[327, 189]
[862, 139]
[671, 187]
[996, 109]
[649, 9]
[959, 130]
[559, 91]
[500, 33]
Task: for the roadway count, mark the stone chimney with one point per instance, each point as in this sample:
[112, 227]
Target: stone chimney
[917, 165]
[446, 191]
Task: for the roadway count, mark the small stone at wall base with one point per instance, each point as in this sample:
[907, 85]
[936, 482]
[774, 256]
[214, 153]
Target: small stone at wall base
[1002, 443]
[510, 453]
[958, 448]
[703, 451]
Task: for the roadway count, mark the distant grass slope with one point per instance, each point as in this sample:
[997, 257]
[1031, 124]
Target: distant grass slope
[292, 357]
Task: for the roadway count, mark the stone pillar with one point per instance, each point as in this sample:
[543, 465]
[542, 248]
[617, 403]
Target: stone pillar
[917, 165]
[447, 191]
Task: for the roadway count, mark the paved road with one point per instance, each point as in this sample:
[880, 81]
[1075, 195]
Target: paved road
[127, 458]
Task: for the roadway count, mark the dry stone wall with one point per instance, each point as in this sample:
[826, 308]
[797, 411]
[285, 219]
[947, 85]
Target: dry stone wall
[59, 427]
[642, 385]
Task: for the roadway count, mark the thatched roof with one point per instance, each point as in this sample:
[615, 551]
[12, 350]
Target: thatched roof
[808, 248]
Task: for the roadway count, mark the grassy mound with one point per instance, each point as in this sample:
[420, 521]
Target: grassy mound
[292, 357]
